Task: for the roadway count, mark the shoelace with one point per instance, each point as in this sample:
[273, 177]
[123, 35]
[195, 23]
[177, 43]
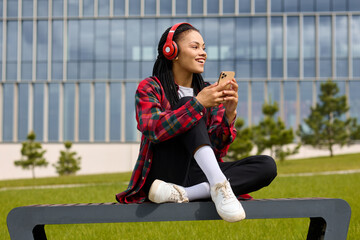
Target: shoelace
[224, 189]
[180, 193]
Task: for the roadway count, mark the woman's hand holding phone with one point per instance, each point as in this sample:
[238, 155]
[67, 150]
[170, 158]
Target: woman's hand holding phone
[224, 91]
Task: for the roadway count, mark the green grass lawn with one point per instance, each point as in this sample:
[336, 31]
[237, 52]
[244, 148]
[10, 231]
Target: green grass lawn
[106, 186]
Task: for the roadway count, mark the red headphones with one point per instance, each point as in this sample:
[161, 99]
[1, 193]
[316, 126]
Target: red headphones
[170, 49]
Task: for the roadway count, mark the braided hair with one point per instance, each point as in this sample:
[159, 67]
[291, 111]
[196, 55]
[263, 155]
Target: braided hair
[163, 68]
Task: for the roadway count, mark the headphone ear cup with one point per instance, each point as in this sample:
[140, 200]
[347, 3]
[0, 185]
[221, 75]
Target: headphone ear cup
[170, 50]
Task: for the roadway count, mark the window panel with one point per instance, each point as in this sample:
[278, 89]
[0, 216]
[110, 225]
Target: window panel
[273, 92]
[12, 8]
[229, 6]
[100, 113]
[257, 93]
[103, 7]
[102, 70]
[244, 6]
[341, 46]
[87, 37]
[165, 7]
[102, 40]
[130, 123]
[355, 32]
[88, 8]
[117, 70]
[356, 70]
[8, 108]
[115, 111]
[11, 50]
[291, 6]
[1, 11]
[27, 8]
[119, 7]
[242, 107]
[242, 35]
[325, 68]
[58, 8]
[73, 40]
[84, 112]
[69, 111]
[354, 5]
[213, 6]
[292, 37]
[53, 110]
[309, 37]
[23, 111]
[150, 7]
[354, 99]
[260, 6]
[197, 7]
[181, 7]
[211, 34]
[227, 43]
[42, 8]
[86, 70]
[339, 5]
[149, 40]
[309, 68]
[258, 37]
[57, 50]
[211, 69]
[117, 39]
[38, 111]
[133, 40]
[258, 69]
[290, 104]
[41, 50]
[134, 7]
[325, 46]
[306, 89]
[277, 6]
[276, 47]
[26, 50]
[307, 5]
[73, 8]
[323, 5]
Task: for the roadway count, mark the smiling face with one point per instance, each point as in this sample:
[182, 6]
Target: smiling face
[192, 55]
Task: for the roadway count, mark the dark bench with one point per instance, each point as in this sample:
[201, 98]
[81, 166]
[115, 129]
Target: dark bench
[329, 218]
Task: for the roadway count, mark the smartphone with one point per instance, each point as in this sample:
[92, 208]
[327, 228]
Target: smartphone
[226, 76]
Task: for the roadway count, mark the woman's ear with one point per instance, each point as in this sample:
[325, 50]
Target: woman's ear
[177, 58]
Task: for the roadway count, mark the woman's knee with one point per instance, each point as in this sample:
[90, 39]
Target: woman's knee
[269, 168]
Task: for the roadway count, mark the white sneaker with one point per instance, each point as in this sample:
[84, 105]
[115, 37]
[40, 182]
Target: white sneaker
[162, 192]
[227, 205]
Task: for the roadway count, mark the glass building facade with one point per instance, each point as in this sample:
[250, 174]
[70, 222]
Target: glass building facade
[69, 69]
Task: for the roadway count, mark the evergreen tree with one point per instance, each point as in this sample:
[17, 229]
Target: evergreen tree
[325, 126]
[31, 154]
[68, 163]
[242, 145]
[273, 135]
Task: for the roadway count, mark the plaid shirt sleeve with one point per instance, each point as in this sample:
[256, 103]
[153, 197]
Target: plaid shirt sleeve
[156, 121]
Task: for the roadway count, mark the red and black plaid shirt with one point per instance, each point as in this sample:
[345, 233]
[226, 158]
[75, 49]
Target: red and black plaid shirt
[157, 122]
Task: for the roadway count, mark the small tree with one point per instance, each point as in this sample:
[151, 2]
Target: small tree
[273, 135]
[68, 163]
[31, 154]
[325, 126]
[242, 145]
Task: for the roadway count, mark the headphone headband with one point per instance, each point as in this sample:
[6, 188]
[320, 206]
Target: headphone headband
[170, 49]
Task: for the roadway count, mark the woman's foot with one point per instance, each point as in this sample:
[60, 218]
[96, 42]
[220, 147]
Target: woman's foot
[162, 192]
[227, 205]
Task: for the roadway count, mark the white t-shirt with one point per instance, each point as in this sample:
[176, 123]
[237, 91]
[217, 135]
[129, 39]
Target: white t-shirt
[185, 92]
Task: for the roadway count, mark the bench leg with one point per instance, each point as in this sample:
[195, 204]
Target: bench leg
[39, 232]
[316, 229]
